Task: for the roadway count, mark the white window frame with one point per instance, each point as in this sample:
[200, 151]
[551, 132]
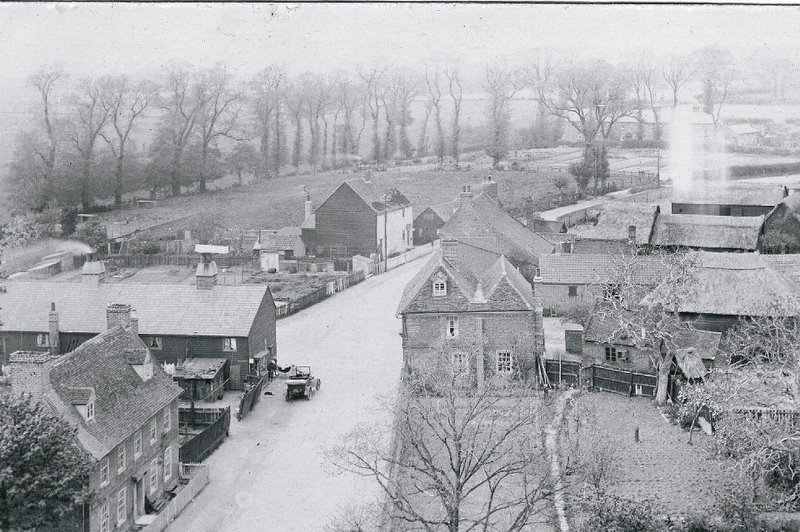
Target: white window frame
[153, 475]
[137, 444]
[451, 326]
[153, 430]
[122, 505]
[167, 420]
[122, 458]
[504, 362]
[105, 468]
[229, 344]
[167, 463]
[105, 517]
[90, 411]
[42, 339]
[148, 371]
[611, 353]
[439, 288]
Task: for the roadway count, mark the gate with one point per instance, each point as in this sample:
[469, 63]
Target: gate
[563, 373]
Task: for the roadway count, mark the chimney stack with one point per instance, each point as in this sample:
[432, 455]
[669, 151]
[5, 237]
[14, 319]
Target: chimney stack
[206, 274]
[53, 331]
[93, 272]
[118, 314]
[466, 194]
[30, 371]
[631, 234]
[450, 251]
[309, 207]
[490, 187]
[134, 326]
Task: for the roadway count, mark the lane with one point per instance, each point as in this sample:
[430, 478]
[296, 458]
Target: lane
[270, 473]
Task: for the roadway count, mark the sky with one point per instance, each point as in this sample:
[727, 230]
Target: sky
[94, 39]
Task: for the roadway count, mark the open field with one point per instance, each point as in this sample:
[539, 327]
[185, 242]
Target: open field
[663, 468]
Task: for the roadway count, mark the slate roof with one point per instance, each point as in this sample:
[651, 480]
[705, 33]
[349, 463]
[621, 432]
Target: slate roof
[445, 211]
[580, 269]
[707, 232]
[732, 194]
[278, 242]
[123, 401]
[168, 309]
[373, 196]
[614, 219]
[476, 288]
[733, 284]
[483, 223]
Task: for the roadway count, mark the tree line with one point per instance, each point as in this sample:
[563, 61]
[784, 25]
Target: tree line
[112, 134]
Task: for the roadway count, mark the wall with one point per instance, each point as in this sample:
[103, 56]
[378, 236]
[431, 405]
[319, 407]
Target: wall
[399, 230]
[720, 210]
[556, 300]
[346, 223]
[262, 332]
[638, 359]
[426, 227]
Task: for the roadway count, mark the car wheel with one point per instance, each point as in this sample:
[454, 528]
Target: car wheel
[310, 393]
[319, 384]
[288, 397]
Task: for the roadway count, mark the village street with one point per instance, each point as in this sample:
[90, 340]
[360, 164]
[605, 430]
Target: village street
[270, 474]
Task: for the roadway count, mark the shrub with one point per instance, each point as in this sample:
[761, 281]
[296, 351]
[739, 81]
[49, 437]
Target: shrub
[293, 269]
[272, 270]
[617, 514]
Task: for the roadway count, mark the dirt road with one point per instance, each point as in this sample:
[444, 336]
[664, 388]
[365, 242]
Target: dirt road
[270, 473]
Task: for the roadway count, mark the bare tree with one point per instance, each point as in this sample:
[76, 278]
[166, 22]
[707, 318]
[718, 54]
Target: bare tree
[266, 88]
[183, 105]
[676, 72]
[44, 81]
[91, 117]
[502, 84]
[124, 102]
[349, 99]
[388, 98]
[465, 460]
[317, 105]
[423, 144]
[715, 67]
[648, 76]
[295, 98]
[405, 87]
[435, 98]
[373, 87]
[457, 95]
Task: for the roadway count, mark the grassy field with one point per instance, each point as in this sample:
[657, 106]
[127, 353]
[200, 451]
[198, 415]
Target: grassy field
[662, 467]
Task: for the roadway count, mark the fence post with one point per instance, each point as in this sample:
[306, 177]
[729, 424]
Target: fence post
[630, 386]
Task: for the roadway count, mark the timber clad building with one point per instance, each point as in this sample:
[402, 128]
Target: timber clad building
[360, 219]
[176, 322]
[125, 408]
[459, 315]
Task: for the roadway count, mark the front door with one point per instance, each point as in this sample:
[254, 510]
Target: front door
[236, 377]
[138, 498]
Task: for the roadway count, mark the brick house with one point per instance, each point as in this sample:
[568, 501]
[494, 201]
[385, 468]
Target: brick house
[125, 408]
[483, 321]
[482, 223]
[606, 344]
[356, 219]
[177, 321]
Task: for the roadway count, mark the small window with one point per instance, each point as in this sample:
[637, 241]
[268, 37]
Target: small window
[439, 288]
[147, 371]
[42, 340]
[573, 291]
[90, 411]
[155, 342]
[122, 505]
[104, 473]
[451, 327]
[611, 353]
[229, 344]
[153, 475]
[153, 430]
[504, 362]
[137, 444]
[167, 420]
[288, 254]
[167, 463]
[105, 518]
[121, 458]
[638, 389]
[460, 362]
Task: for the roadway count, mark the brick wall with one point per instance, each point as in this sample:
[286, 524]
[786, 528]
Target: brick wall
[557, 301]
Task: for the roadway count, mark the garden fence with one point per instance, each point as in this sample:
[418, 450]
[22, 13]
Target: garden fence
[618, 380]
[143, 261]
[250, 397]
[203, 444]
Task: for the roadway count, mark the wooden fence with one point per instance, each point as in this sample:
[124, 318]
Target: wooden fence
[776, 415]
[563, 373]
[203, 444]
[194, 477]
[143, 261]
[618, 380]
[202, 415]
[290, 306]
[250, 397]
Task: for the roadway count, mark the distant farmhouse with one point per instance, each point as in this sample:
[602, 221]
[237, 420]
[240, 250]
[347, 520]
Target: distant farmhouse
[125, 409]
[360, 219]
[176, 321]
[458, 314]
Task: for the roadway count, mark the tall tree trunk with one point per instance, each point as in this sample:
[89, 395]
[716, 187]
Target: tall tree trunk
[663, 378]
[278, 142]
[266, 163]
[422, 147]
[376, 141]
[175, 172]
[118, 182]
[298, 141]
[324, 141]
[86, 198]
[203, 163]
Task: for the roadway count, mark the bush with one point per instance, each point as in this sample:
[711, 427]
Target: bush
[293, 269]
[92, 234]
[272, 270]
[617, 514]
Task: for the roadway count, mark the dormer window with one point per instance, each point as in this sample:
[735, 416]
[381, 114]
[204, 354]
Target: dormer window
[439, 288]
[154, 342]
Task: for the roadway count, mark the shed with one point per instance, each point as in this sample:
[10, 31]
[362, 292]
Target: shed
[202, 379]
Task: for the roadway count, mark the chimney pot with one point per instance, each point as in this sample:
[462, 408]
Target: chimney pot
[206, 275]
[52, 331]
[118, 314]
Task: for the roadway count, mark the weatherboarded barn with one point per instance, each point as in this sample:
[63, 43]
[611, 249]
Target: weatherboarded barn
[731, 200]
[709, 233]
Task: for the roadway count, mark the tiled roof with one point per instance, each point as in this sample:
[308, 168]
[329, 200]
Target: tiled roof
[373, 196]
[733, 284]
[483, 223]
[168, 309]
[578, 269]
[616, 217]
[477, 290]
[290, 230]
[77, 396]
[707, 232]
[732, 194]
[278, 242]
[123, 401]
[445, 211]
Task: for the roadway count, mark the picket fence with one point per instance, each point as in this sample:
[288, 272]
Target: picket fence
[197, 477]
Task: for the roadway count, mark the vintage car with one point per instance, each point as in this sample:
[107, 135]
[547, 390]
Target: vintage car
[302, 383]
